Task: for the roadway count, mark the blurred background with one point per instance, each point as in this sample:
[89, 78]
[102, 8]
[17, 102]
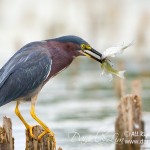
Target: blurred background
[79, 100]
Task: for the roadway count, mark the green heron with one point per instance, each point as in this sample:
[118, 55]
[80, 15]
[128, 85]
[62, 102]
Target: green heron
[30, 68]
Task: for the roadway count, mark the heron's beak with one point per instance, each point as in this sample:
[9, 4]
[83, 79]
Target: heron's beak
[89, 53]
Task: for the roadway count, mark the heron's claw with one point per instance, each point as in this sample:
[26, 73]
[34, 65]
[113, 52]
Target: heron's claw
[31, 132]
[52, 136]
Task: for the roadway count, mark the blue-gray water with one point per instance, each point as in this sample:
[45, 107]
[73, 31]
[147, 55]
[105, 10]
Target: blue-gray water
[80, 107]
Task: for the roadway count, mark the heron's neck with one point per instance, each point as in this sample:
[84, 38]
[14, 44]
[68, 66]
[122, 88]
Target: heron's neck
[61, 58]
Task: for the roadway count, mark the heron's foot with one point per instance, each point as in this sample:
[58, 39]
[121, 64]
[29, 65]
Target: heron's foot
[31, 132]
[51, 134]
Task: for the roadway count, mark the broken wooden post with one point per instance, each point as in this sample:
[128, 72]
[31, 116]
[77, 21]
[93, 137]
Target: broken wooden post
[6, 139]
[44, 144]
[129, 127]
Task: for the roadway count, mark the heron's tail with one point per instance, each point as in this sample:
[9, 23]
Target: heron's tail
[1, 103]
[2, 100]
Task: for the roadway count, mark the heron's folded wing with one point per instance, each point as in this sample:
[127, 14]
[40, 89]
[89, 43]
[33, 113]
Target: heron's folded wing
[23, 75]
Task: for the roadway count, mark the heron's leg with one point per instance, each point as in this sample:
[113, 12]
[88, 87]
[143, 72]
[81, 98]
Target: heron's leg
[22, 119]
[44, 126]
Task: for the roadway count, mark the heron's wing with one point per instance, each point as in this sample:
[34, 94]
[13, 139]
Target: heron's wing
[23, 74]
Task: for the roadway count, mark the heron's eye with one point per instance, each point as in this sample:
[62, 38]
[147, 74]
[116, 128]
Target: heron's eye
[83, 46]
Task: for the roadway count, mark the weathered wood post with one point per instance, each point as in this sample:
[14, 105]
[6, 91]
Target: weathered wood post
[44, 144]
[6, 139]
[129, 127]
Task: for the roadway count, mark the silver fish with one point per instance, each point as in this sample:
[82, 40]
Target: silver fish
[114, 51]
[107, 67]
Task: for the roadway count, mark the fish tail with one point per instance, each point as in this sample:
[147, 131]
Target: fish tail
[121, 74]
[130, 44]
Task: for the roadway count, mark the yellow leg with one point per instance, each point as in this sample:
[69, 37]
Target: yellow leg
[28, 127]
[44, 126]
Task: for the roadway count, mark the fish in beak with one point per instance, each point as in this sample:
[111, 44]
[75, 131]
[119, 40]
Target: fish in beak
[103, 59]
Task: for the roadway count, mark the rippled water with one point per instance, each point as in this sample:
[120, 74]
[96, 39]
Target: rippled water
[80, 107]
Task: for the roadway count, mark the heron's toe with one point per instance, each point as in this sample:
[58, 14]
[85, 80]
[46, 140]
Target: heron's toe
[31, 131]
[52, 136]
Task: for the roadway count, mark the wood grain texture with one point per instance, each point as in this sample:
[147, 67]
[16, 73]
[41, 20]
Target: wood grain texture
[6, 139]
[129, 125]
[44, 144]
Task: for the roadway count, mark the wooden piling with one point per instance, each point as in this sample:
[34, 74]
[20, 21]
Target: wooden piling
[129, 127]
[6, 139]
[44, 144]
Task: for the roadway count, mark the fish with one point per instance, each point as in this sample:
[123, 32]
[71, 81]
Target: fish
[107, 66]
[108, 70]
[114, 51]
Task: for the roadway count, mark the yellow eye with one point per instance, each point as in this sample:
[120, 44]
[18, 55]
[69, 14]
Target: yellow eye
[83, 46]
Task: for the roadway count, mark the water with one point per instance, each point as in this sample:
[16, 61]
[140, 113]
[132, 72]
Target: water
[80, 107]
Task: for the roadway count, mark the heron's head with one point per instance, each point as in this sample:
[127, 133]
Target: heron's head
[80, 46]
